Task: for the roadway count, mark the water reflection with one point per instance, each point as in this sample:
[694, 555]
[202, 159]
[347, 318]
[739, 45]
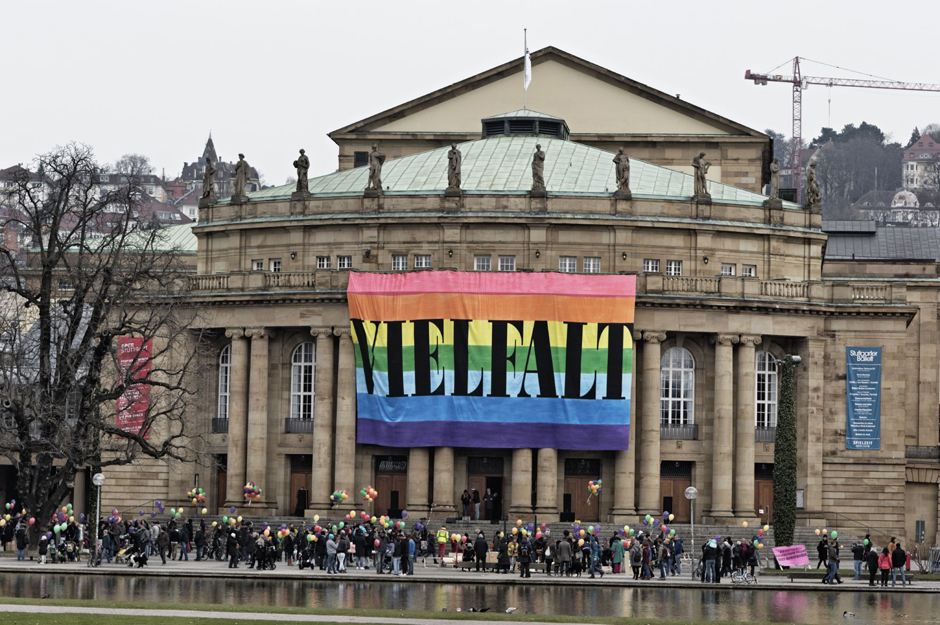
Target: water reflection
[649, 601]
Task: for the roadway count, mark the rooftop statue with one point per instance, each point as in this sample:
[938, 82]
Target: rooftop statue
[538, 169]
[376, 160]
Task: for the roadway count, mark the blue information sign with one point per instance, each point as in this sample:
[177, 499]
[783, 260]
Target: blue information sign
[863, 391]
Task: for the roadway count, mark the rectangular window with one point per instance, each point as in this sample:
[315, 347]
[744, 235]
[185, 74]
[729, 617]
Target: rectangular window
[360, 159]
[728, 269]
[568, 264]
[507, 263]
[257, 265]
[651, 265]
[344, 262]
[592, 264]
[399, 262]
[422, 261]
[323, 262]
[481, 263]
[275, 265]
[749, 271]
[673, 267]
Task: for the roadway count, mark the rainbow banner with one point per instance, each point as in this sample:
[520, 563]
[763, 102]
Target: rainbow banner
[497, 360]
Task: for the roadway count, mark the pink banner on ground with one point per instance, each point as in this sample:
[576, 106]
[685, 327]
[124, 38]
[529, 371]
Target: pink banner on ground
[791, 556]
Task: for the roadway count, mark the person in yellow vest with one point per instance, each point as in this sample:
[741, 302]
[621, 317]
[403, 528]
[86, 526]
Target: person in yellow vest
[442, 536]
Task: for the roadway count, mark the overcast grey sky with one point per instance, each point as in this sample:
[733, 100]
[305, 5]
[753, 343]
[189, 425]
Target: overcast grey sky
[268, 77]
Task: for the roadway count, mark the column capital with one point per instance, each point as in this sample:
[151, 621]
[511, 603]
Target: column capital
[654, 336]
[235, 333]
[259, 333]
[751, 339]
[724, 339]
[321, 331]
[342, 331]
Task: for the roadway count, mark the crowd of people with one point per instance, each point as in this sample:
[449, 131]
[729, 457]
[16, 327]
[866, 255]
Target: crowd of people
[892, 559]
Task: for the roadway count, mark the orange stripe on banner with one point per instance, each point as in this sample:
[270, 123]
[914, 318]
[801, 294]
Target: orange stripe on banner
[501, 307]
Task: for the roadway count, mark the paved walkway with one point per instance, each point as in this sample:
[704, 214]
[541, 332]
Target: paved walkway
[220, 570]
[236, 616]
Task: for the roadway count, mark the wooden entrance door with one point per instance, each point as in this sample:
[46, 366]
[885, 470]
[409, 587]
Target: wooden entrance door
[220, 480]
[764, 500]
[392, 493]
[299, 489]
[672, 495]
[576, 495]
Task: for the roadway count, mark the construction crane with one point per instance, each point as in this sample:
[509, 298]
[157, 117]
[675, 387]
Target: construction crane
[800, 83]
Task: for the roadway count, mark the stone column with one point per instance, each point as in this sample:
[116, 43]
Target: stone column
[418, 475]
[521, 504]
[237, 418]
[322, 480]
[723, 430]
[80, 490]
[546, 485]
[256, 461]
[625, 461]
[744, 430]
[650, 496]
[345, 460]
[443, 503]
[810, 410]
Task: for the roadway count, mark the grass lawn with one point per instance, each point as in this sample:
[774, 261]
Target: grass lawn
[11, 618]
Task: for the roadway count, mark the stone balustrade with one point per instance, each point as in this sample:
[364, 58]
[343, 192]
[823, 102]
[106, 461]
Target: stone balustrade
[825, 292]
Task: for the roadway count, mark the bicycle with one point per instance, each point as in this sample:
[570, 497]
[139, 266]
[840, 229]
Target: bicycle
[699, 570]
[742, 576]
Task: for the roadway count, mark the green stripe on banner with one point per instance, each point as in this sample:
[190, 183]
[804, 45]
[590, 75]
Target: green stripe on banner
[479, 359]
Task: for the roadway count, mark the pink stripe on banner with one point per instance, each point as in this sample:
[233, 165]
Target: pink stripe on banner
[492, 283]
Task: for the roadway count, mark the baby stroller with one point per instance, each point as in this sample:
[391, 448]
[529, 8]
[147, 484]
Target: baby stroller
[304, 561]
[61, 555]
[71, 551]
[270, 557]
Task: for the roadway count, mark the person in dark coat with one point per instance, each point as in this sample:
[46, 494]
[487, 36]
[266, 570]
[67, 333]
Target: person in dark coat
[200, 541]
[525, 557]
[22, 542]
[163, 541]
[231, 548]
[872, 561]
[479, 547]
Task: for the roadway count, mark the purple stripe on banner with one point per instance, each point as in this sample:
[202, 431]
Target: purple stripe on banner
[492, 435]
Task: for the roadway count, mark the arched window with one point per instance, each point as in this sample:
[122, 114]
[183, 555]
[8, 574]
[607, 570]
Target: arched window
[677, 387]
[301, 382]
[225, 380]
[766, 389]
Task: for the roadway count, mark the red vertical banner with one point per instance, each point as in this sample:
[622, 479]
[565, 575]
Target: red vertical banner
[134, 360]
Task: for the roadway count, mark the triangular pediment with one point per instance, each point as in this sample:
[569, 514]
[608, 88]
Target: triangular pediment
[590, 98]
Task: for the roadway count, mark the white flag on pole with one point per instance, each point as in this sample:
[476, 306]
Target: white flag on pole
[528, 70]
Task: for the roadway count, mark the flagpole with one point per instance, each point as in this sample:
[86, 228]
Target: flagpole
[525, 51]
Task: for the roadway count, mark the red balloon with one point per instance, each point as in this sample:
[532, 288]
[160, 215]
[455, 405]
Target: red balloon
[377, 542]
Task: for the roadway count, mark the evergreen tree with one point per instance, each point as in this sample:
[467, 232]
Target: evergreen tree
[915, 135]
[784, 517]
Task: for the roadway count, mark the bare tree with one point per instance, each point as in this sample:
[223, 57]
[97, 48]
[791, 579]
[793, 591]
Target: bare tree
[99, 351]
[850, 169]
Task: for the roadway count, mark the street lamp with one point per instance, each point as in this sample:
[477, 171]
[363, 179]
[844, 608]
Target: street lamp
[691, 493]
[98, 481]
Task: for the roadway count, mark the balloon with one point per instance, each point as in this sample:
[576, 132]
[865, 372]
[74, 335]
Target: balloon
[760, 546]
[581, 532]
[580, 542]
[404, 514]
[672, 517]
[214, 523]
[515, 530]
[64, 508]
[267, 532]
[341, 525]
[231, 510]
[463, 539]
[630, 532]
[648, 518]
[756, 543]
[178, 515]
[309, 538]
[665, 516]
[766, 528]
[672, 532]
[239, 519]
[834, 534]
[32, 520]
[205, 510]
[519, 523]
[316, 518]
[825, 531]
[760, 532]
[538, 534]
[865, 542]
[817, 531]
[744, 524]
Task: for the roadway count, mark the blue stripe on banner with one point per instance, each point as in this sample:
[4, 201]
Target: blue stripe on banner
[505, 435]
[513, 382]
[528, 410]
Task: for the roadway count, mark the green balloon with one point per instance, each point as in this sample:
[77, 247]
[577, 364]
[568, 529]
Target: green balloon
[342, 525]
[865, 542]
[177, 515]
[755, 543]
[225, 519]
[55, 528]
[834, 534]
[631, 531]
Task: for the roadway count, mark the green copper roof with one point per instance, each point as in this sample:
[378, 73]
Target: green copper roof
[503, 165]
[522, 113]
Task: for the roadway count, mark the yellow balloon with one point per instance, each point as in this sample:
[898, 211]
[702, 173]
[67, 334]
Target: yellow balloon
[744, 524]
[581, 542]
[180, 511]
[766, 528]
[71, 519]
[267, 532]
[239, 519]
[672, 517]
[214, 523]
[372, 520]
[316, 518]
[3, 522]
[205, 510]
[515, 530]
[525, 532]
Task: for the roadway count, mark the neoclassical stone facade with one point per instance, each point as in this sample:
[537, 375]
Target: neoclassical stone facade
[723, 290]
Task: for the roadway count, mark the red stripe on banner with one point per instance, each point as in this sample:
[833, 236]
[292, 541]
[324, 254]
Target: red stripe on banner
[493, 283]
